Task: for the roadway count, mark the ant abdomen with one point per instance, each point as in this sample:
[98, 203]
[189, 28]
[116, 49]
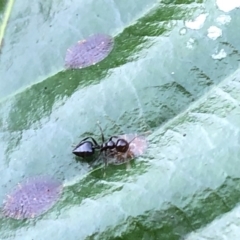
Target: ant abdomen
[84, 149]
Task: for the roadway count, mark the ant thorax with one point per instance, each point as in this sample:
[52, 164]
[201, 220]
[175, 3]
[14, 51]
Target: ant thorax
[107, 145]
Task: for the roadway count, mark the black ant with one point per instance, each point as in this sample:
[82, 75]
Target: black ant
[86, 148]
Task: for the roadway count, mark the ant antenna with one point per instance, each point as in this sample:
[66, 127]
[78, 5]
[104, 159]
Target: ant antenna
[138, 136]
[101, 131]
[132, 139]
[135, 138]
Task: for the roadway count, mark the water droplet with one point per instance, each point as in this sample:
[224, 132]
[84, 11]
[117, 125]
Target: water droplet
[183, 31]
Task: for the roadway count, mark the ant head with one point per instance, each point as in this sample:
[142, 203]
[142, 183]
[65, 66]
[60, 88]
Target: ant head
[84, 149]
[122, 145]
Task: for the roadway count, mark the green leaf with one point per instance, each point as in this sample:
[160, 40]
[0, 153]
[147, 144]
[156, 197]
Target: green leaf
[161, 77]
[5, 11]
[227, 227]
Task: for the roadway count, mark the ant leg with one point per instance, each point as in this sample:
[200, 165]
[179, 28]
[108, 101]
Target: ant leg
[96, 144]
[105, 164]
[101, 132]
[85, 139]
[131, 155]
[94, 141]
[113, 137]
[105, 160]
[128, 165]
[81, 142]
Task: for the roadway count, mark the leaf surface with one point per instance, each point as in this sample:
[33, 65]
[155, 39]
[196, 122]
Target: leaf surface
[161, 77]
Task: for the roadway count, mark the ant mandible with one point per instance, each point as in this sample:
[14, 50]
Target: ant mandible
[87, 147]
